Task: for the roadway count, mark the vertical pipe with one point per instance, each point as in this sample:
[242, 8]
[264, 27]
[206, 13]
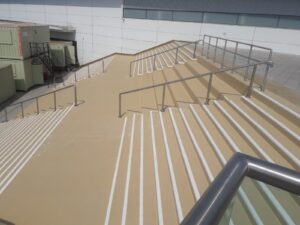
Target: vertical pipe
[248, 62]
[223, 57]
[6, 116]
[22, 108]
[54, 100]
[75, 95]
[176, 56]
[154, 60]
[202, 52]
[163, 99]
[234, 55]
[209, 88]
[249, 92]
[37, 106]
[216, 48]
[130, 69]
[75, 77]
[120, 105]
[266, 73]
[103, 69]
[195, 48]
[208, 48]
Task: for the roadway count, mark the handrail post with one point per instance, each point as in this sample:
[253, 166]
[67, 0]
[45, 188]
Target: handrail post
[130, 65]
[249, 56]
[37, 106]
[224, 51]
[249, 92]
[103, 69]
[75, 94]
[6, 116]
[75, 77]
[203, 42]
[234, 56]
[120, 105]
[154, 60]
[22, 108]
[176, 56]
[89, 76]
[163, 99]
[209, 88]
[54, 100]
[208, 48]
[216, 48]
[266, 73]
[195, 48]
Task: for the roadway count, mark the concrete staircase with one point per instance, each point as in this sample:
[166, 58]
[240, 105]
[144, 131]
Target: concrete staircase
[21, 139]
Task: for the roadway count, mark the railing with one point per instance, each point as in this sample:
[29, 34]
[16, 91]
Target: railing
[225, 46]
[210, 74]
[36, 99]
[154, 56]
[211, 207]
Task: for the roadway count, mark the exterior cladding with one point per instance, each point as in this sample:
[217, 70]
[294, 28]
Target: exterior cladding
[271, 7]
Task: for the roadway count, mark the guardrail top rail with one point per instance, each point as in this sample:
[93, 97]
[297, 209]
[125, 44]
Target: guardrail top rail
[248, 93]
[213, 204]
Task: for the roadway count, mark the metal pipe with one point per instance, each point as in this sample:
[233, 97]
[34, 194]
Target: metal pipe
[154, 60]
[6, 116]
[54, 100]
[202, 52]
[249, 92]
[75, 77]
[195, 48]
[75, 95]
[120, 105]
[89, 76]
[103, 68]
[223, 57]
[209, 88]
[215, 55]
[234, 55]
[37, 106]
[248, 61]
[22, 107]
[266, 73]
[208, 48]
[163, 99]
[176, 56]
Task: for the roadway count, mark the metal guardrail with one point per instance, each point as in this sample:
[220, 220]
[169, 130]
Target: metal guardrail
[154, 56]
[36, 98]
[210, 74]
[208, 39]
[213, 204]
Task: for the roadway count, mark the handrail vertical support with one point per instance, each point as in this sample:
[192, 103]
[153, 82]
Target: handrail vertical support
[37, 106]
[266, 73]
[195, 48]
[216, 48]
[234, 56]
[176, 56]
[54, 100]
[75, 95]
[22, 108]
[130, 69]
[163, 99]
[203, 44]
[208, 48]
[103, 68]
[223, 56]
[75, 77]
[249, 56]
[249, 92]
[209, 88]
[154, 60]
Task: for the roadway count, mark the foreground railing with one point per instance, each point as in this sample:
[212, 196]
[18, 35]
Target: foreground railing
[228, 52]
[209, 86]
[212, 206]
[36, 99]
[176, 49]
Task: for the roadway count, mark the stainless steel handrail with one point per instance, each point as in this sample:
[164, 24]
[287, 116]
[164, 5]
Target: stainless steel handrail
[36, 98]
[213, 204]
[210, 74]
[168, 50]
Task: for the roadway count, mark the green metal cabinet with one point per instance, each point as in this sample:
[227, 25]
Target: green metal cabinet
[7, 83]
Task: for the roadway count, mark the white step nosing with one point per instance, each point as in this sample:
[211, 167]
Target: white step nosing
[141, 208]
[277, 103]
[32, 151]
[244, 133]
[26, 143]
[128, 173]
[185, 157]
[197, 147]
[271, 118]
[116, 171]
[266, 133]
[8, 124]
[280, 210]
[171, 171]
[158, 56]
[156, 173]
[18, 136]
[241, 192]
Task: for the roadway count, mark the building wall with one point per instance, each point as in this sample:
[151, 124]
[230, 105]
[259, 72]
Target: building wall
[101, 30]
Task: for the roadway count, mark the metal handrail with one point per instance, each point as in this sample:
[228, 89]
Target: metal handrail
[213, 204]
[154, 56]
[36, 98]
[210, 74]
